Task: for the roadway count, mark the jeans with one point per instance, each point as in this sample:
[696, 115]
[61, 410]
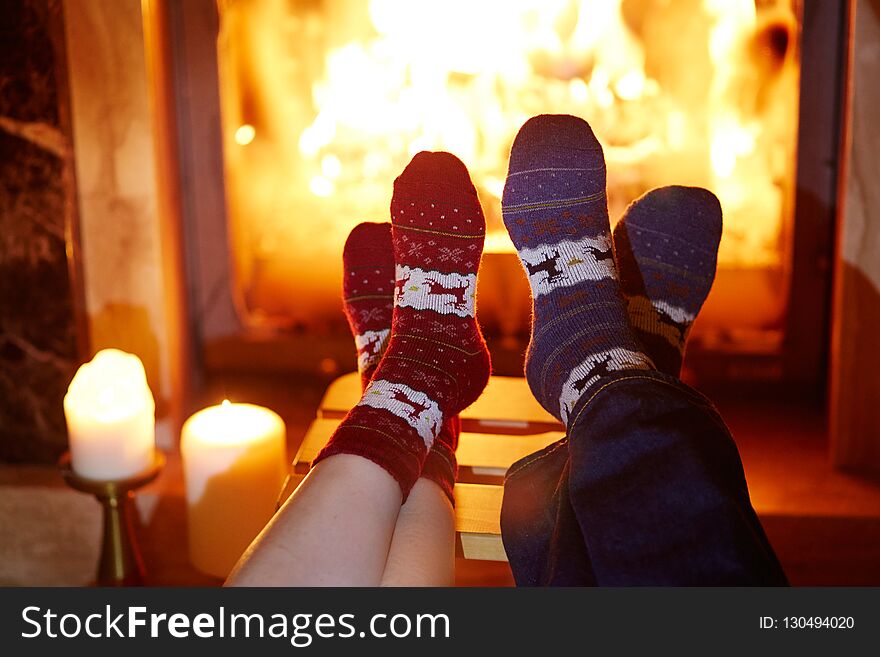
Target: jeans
[646, 489]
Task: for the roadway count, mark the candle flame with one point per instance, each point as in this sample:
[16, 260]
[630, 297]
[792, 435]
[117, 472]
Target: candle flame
[245, 134]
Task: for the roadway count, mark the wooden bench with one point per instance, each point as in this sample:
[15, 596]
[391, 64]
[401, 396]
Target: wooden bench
[501, 427]
[506, 406]
[478, 454]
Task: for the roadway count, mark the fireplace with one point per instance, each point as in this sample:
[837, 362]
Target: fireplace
[741, 96]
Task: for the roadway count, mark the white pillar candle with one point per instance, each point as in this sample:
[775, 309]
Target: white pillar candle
[234, 463]
[110, 417]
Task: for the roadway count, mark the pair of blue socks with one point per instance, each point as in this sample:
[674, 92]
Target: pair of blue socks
[603, 302]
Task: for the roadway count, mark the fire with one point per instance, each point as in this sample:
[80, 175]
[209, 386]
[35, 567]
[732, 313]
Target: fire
[678, 93]
[466, 81]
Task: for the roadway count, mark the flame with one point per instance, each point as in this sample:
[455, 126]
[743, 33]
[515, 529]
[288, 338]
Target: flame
[245, 134]
[747, 140]
[397, 76]
[461, 87]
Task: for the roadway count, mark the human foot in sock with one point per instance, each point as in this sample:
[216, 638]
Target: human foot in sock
[666, 247]
[555, 210]
[436, 362]
[368, 301]
[368, 292]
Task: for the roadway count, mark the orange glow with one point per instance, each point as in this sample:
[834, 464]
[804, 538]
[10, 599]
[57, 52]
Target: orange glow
[344, 92]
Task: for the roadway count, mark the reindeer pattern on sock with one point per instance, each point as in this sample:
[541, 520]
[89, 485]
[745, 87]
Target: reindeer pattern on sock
[659, 318]
[435, 288]
[416, 408]
[549, 265]
[400, 285]
[595, 367]
[446, 294]
[567, 263]
[370, 345]
[412, 406]
[600, 255]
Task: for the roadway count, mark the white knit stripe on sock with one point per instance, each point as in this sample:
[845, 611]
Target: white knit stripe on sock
[675, 313]
[413, 406]
[592, 369]
[446, 294]
[567, 263]
[648, 316]
[370, 345]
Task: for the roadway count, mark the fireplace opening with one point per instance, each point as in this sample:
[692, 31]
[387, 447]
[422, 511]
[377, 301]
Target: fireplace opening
[324, 103]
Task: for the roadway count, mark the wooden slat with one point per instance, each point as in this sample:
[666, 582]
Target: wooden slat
[483, 453]
[478, 522]
[492, 454]
[506, 406]
[477, 519]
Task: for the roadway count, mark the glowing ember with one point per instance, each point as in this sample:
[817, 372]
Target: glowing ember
[700, 92]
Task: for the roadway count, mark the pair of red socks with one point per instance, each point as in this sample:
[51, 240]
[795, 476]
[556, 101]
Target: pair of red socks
[409, 295]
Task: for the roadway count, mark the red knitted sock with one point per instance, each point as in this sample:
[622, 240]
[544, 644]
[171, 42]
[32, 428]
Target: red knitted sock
[436, 362]
[368, 301]
[368, 292]
[441, 466]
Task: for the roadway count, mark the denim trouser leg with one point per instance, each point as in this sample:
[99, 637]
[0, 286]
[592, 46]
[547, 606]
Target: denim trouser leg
[656, 489]
[548, 549]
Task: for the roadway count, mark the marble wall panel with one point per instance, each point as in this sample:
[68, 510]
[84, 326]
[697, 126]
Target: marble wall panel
[38, 326]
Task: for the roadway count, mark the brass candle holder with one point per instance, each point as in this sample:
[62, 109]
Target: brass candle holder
[121, 563]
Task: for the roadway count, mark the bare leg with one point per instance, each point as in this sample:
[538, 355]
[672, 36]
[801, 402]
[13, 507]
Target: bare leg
[422, 549]
[335, 530]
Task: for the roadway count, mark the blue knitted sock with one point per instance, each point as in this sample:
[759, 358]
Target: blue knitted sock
[555, 210]
[667, 246]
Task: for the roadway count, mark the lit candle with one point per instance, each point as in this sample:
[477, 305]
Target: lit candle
[234, 463]
[110, 417]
